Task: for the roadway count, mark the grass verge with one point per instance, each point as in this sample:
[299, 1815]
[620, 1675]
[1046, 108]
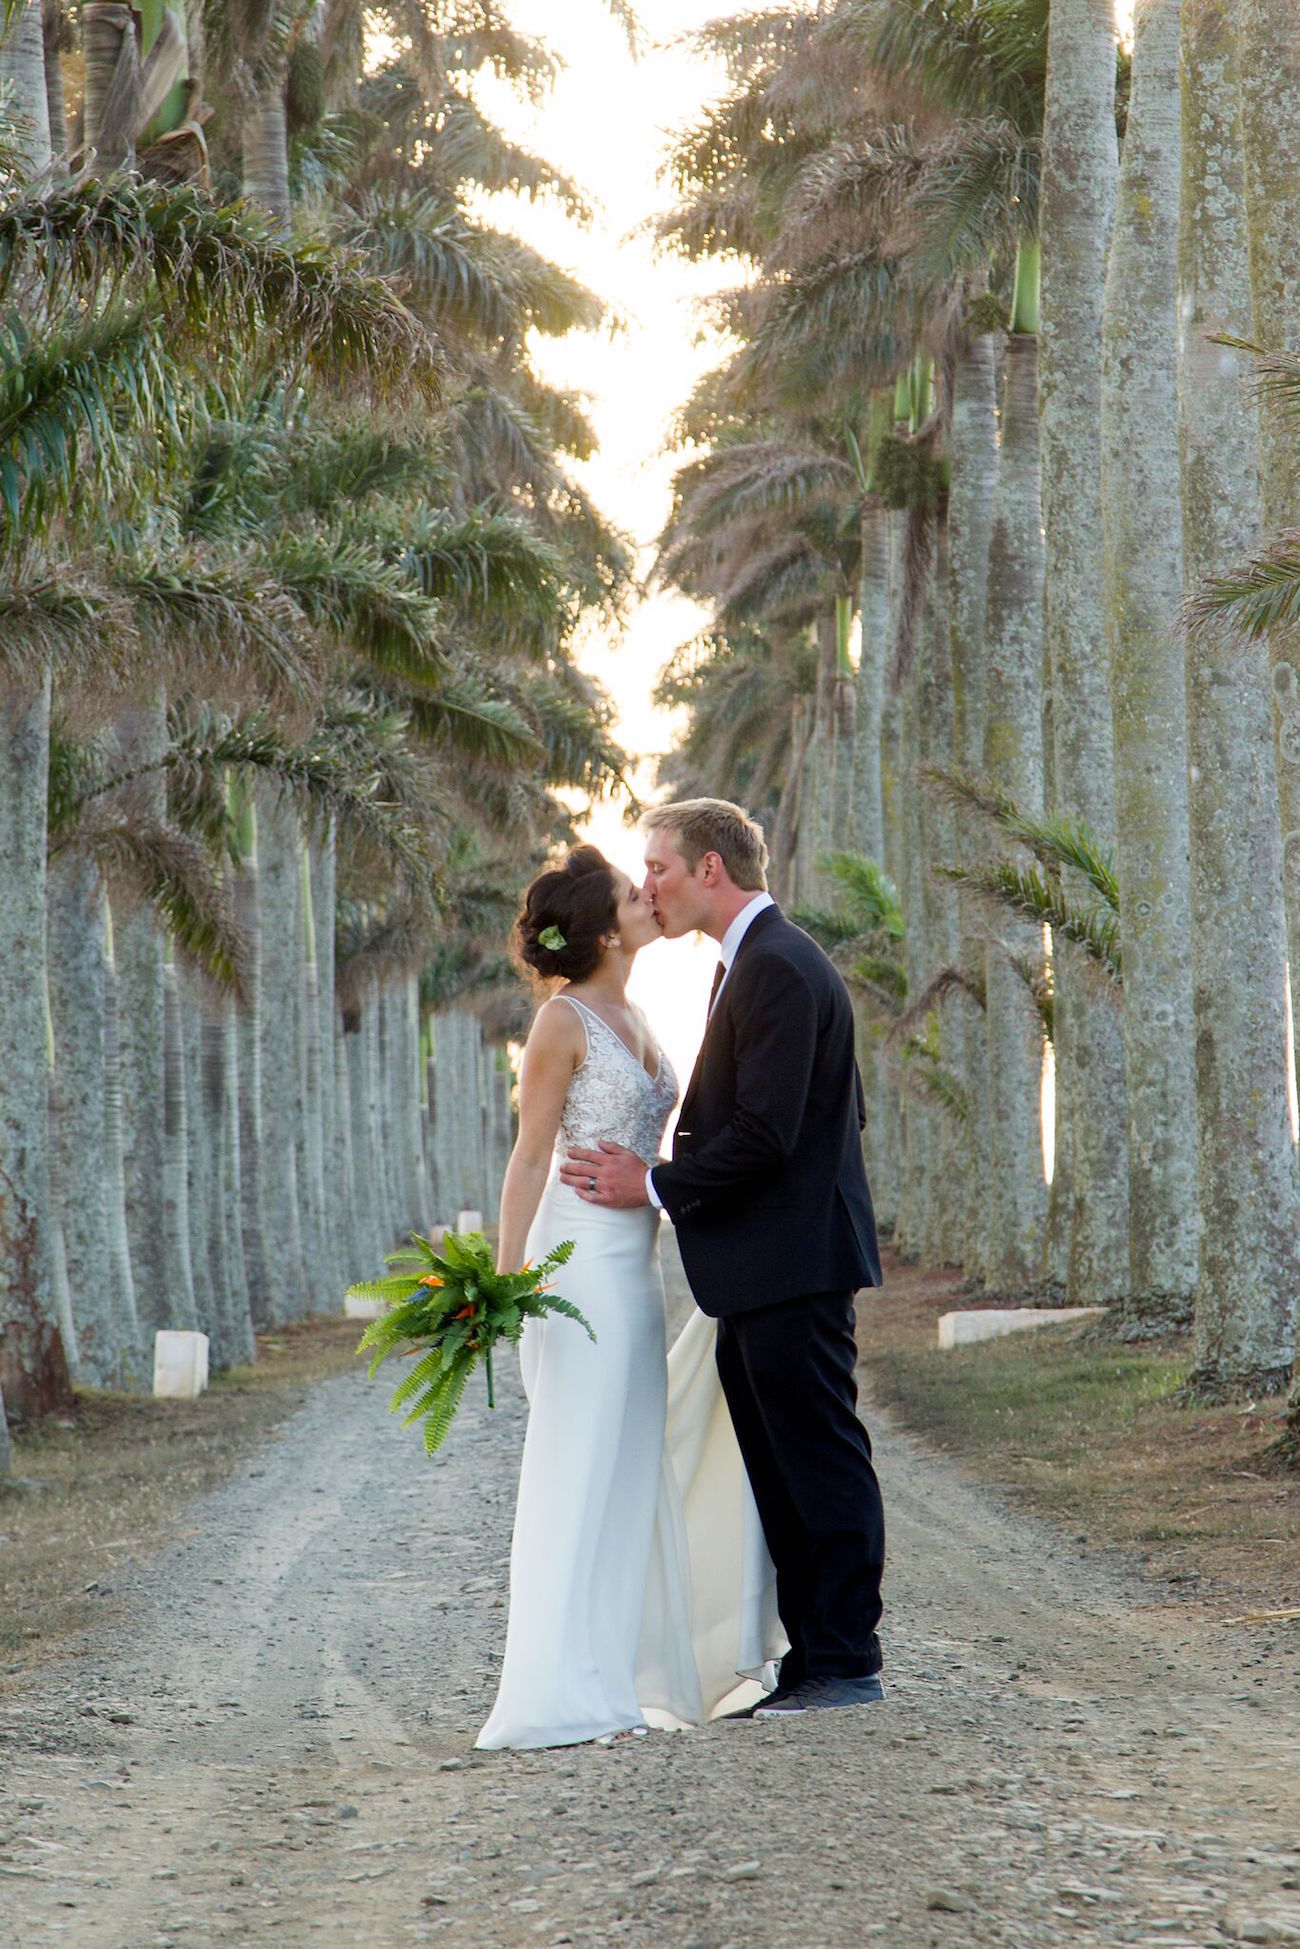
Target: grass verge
[1089, 1434]
[95, 1489]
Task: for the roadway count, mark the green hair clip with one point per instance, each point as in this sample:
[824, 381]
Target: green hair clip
[551, 937]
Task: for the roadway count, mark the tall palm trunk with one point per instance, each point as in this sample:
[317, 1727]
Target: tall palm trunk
[883, 1131]
[163, 1286]
[1141, 531]
[22, 76]
[176, 1168]
[844, 713]
[785, 832]
[203, 1156]
[324, 911]
[75, 923]
[33, 1364]
[259, 1272]
[266, 144]
[973, 451]
[355, 1246]
[280, 902]
[917, 1177]
[942, 1244]
[221, 1074]
[1250, 1239]
[111, 103]
[55, 102]
[311, 1117]
[372, 1239]
[1013, 758]
[1269, 54]
[1080, 169]
[134, 1369]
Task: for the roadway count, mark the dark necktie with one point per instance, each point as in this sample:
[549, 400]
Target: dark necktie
[718, 973]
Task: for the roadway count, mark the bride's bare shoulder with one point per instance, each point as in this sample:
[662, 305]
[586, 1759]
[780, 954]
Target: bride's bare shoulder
[558, 1026]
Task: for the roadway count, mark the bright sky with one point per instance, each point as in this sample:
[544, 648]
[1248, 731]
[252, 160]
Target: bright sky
[606, 123]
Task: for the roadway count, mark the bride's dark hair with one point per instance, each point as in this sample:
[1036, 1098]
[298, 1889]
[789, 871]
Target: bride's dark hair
[579, 900]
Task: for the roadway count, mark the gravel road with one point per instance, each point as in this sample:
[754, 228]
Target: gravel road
[275, 1746]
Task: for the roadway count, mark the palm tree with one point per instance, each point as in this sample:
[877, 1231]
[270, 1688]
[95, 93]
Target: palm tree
[1268, 37]
[22, 75]
[69, 388]
[1013, 760]
[1080, 161]
[1141, 527]
[1249, 1259]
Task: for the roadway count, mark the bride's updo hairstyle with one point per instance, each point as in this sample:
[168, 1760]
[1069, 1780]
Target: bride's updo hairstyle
[575, 902]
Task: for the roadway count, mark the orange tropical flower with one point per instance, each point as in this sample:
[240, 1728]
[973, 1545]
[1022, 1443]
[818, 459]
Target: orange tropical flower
[467, 1312]
[432, 1280]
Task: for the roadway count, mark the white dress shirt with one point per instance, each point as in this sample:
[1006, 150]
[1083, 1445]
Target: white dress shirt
[731, 940]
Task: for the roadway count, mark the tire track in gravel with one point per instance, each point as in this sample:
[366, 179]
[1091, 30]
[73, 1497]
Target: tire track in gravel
[275, 1746]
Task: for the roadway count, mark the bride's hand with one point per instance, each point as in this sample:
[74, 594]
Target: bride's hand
[613, 1176]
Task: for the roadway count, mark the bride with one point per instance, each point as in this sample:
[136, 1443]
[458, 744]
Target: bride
[640, 1588]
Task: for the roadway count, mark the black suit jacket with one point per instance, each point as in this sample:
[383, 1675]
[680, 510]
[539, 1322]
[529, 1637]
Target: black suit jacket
[766, 1186]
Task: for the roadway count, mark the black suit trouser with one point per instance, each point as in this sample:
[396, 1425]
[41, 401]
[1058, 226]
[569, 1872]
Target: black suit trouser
[787, 1371]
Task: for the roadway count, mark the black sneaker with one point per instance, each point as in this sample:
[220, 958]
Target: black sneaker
[822, 1695]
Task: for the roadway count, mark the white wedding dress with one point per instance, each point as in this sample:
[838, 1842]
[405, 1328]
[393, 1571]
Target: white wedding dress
[641, 1590]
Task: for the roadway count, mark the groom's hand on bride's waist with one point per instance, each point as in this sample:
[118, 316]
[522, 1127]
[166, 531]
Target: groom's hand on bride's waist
[612, 1175]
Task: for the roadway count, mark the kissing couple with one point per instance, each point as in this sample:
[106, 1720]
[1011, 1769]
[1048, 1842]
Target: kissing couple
[688, 1518]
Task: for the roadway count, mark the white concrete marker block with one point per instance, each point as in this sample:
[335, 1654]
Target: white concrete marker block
[180, 1364]
[469, 1221]
[356, 1308]
[992, 1322]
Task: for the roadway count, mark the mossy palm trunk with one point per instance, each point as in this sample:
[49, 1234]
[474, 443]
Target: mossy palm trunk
[1269, 55]
[973, 447]
[1080, 165]
[1250, 1242]
[1013, 759]
[280, 905]
[33, 1365]
[867, 836]
[945, 1213]
[1141, 531]
[78, 1101]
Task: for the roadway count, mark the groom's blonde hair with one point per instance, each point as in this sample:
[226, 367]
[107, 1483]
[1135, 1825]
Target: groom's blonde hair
[703, 826]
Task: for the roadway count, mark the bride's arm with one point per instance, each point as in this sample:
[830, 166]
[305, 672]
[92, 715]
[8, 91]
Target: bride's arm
[556, 1045]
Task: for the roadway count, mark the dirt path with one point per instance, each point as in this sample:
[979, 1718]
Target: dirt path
[275, 1747]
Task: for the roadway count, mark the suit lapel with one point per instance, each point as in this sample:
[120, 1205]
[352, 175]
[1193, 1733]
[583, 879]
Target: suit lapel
[755, 926]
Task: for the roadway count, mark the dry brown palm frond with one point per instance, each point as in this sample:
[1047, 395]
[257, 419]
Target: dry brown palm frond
[949, 981]
[143, 862]
[389, 945]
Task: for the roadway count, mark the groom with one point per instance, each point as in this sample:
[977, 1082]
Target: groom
[769, 1197]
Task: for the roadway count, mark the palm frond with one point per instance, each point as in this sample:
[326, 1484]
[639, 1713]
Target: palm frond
[1259, 594]
[241, 624]
[931, 1080]
[870, 895]
[949, 981]
[220, 269]
[1055, 842]
[1039, 897]
[58, 615]
[64, 397]
[345, 588]
[143, 862]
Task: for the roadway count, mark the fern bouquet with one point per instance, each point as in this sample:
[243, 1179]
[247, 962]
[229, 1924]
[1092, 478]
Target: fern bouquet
[448, 1310]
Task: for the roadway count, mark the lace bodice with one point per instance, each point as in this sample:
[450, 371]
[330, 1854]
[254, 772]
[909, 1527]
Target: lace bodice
[611, 1094]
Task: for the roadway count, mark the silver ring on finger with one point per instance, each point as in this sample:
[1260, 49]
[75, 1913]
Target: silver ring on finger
[591, 1184]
